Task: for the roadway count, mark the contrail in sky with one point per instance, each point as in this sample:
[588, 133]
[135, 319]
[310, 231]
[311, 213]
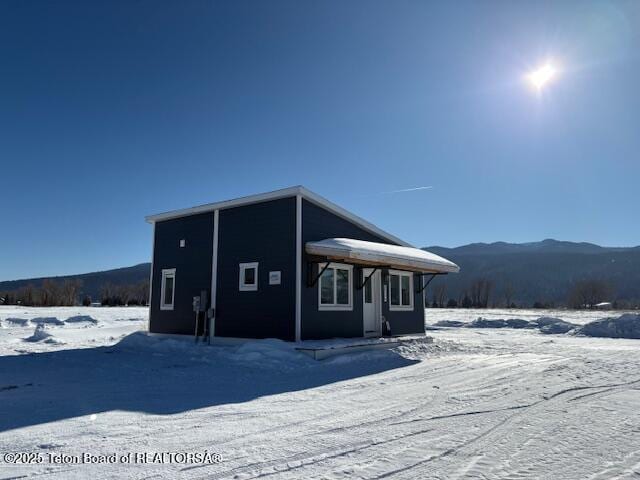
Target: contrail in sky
[409, 189]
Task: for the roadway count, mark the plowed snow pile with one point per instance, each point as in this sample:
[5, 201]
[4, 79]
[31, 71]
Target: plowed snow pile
[624, 326]
[29, 329]
[40, 334]
[490, 403]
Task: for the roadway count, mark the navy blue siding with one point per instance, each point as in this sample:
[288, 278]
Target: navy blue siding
[193, 270]
[403, 322]
[264, 233]
[318, 224]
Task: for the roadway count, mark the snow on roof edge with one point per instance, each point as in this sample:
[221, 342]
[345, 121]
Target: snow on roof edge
[382, 254]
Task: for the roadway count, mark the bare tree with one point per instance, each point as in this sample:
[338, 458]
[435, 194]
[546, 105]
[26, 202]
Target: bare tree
[508, 292]
[486, 292]
[440, 294]
[69, 292]
[480, 291]
[26, 295]
[106, 293]
[588, 293]
[142, 292]
[51, 295]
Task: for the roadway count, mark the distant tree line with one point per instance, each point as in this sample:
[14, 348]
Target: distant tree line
[477, 295]
[116, 295]
[69, 293]
[49, 294]
[589, 293]
[481, 293]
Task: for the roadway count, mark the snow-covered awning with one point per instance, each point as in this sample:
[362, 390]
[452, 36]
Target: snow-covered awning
[380, 254]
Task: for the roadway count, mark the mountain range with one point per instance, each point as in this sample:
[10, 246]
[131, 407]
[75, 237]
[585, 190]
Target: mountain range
[535, 272]
[542, 271]
[91, 282]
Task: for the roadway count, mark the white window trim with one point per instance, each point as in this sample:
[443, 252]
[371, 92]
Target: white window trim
[400, 308]
[335, 306]
[166, 273]
[244, 287]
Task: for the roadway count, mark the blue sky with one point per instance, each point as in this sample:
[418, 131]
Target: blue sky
[110, 111]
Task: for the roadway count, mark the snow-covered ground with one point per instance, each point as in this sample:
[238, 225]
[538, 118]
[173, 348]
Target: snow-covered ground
[70, 327]
[579, 317]
[477, 403]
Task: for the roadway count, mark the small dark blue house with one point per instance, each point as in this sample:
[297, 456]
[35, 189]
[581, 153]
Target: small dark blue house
[287, 264]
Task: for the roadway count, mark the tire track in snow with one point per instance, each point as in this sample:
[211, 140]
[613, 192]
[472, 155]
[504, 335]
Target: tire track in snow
[607, 388]
[628, 468]
[495, 428]
[306, 459]
[321, 455]
[540, 403]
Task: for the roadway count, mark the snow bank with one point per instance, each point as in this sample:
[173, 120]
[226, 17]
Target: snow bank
[143, 341]
[624, 326]
[450, 323]
[41, 335]
[47, 320]
[419, 350]
[71, 326]
[81, 319]
[268, 353]
[500, 323]
[577, 317]
[518, 323]
[482, 322]
[21, 322]
[550, 325]
[554, 325]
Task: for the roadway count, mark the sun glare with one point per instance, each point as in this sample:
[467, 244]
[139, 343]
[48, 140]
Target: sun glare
[542, 76]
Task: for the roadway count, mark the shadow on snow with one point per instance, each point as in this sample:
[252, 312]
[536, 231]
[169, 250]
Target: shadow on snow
[44, 387]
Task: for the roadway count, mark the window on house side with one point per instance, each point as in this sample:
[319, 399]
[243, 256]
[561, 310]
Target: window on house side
[401, 290]
[248, 277]
[335, 288]
[168, 288]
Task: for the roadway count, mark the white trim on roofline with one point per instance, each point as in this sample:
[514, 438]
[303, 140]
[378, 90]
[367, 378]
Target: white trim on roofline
[275, 195]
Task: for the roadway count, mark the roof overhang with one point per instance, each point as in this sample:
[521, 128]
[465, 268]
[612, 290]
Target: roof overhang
[380, 254]
[275, 195]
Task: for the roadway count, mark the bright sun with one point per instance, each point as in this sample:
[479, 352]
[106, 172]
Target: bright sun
[542, 76]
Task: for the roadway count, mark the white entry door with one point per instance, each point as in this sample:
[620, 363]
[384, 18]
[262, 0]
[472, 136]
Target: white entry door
[371, 309]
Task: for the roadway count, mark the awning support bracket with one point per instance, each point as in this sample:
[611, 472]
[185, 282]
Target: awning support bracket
[433, 275]
[312, 281]
[366, 280]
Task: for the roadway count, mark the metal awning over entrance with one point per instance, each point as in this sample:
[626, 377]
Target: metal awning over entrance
[374, 254]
